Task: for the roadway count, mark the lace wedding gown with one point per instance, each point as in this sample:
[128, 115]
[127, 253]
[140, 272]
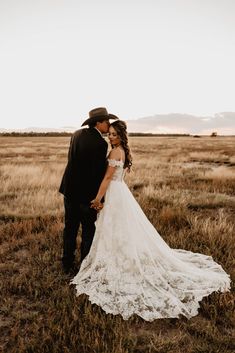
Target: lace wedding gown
[131, 270]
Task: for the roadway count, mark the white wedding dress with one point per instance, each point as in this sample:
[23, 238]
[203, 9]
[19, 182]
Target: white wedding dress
[131, 270]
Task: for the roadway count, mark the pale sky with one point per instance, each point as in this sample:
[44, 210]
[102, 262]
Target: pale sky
[59, 59]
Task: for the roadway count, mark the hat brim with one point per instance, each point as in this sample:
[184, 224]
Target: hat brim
[94, 119]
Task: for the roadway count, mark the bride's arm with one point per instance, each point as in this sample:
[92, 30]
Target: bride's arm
[105, 182]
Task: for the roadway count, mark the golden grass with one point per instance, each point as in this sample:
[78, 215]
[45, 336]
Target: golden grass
[220, 173]
[186, 187]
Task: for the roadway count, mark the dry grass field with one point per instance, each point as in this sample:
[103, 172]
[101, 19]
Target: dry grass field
[186, 187]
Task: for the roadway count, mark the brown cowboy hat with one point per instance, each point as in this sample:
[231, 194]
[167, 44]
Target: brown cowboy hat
[98, 114]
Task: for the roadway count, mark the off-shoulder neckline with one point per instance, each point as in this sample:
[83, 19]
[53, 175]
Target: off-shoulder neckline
[115, 160]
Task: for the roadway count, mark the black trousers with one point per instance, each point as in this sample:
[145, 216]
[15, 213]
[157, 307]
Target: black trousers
[77, 214]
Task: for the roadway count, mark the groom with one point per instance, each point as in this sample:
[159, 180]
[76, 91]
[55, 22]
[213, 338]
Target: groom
[81, 180]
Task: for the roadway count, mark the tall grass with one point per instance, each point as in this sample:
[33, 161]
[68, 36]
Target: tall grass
[185, 186]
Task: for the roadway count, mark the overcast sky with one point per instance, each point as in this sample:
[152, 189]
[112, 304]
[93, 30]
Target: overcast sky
[59, 59]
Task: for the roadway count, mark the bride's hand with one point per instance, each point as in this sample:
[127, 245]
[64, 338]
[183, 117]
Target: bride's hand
[96, 204]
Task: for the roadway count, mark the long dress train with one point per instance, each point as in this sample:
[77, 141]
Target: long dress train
[131, 270]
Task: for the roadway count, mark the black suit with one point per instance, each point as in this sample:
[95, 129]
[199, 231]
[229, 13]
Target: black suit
[81, 180]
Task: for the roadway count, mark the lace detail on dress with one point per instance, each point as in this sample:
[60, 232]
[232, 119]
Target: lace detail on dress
[131, 270]
[138, 286]
[115, 163]
[119, 172]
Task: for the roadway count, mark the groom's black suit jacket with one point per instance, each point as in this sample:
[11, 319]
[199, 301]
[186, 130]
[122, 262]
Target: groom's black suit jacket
[86, 166]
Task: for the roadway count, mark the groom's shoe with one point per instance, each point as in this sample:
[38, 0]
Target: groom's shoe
[67, 268]
[71, 270]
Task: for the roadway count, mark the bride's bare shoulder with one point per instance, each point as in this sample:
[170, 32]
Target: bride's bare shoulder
[115, 153]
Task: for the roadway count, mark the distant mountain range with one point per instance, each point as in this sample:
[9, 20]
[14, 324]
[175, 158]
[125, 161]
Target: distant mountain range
[223, 123]
[41, 129]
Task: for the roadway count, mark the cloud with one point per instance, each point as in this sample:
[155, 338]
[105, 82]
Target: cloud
[223, 123]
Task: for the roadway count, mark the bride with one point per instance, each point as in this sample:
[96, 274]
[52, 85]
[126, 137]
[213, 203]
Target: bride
[130, 269]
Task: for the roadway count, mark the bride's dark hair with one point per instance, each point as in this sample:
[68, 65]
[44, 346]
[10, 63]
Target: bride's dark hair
[121, 130]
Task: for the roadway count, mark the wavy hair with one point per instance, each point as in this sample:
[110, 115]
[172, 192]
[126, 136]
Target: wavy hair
[121, 129]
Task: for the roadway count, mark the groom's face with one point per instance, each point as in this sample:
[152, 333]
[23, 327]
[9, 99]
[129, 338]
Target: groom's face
[103, 126]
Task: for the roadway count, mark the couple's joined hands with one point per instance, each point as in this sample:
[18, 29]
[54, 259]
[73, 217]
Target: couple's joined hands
[97, 205]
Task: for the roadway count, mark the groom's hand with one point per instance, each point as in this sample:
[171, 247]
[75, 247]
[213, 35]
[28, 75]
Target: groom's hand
[96, 204]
